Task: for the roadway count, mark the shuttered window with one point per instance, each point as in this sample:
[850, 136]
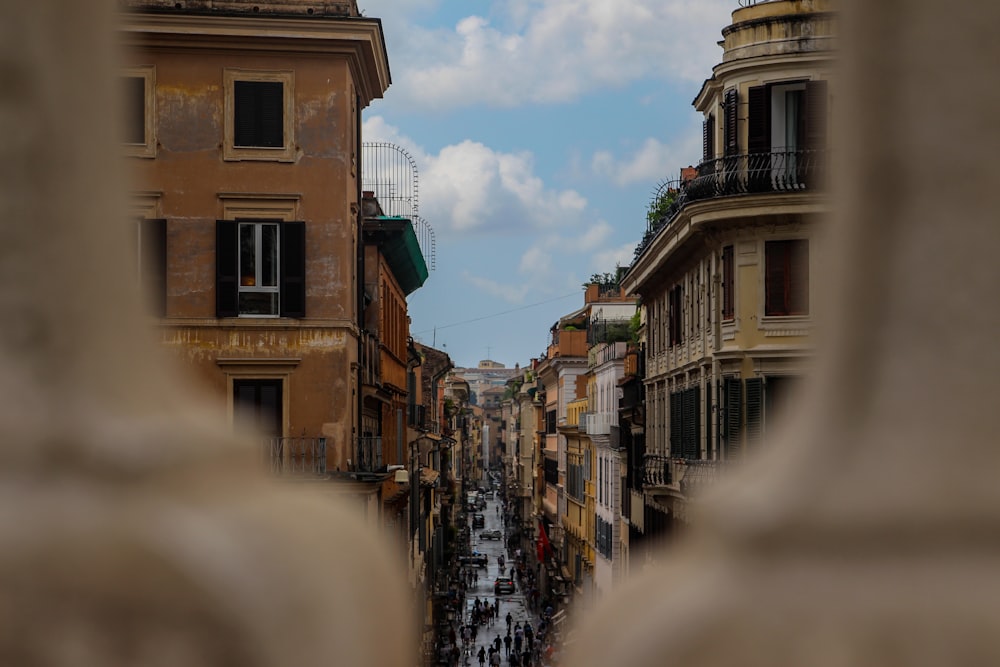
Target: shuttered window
[708, 138]
[815, 114]
[675, 315]
[258, 114]
[260, 268]
[786, 278]
[730, 109]
[135, 109]
[733, 397]
[152, 255]
[728, 284]
[755, 410]
[685, 424]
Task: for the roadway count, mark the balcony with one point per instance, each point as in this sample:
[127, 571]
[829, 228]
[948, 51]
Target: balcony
[656, 470]
[686, 476]
[568, 343]
[295, 456]
[598, 423]
[369, 454]
[777, 172]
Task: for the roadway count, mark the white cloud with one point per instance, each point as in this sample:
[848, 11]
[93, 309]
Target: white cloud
[511, 293]
[650, 162]
[548, 51]
[607, 260]
[469, 187]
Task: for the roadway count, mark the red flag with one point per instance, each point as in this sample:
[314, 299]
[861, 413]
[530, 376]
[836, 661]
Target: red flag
[543, 542]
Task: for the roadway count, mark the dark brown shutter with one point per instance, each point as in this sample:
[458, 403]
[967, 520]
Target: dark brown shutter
[733, 389]
[776, 277]
[258, 114]
[226, 269]
[153, 249]
[293, 269]
[798, 279]
[759, 138]
[815, 114]
[728, 284]
[708, 138]
[759, 119]
[676, 425]
[730, 108]
[755, 411]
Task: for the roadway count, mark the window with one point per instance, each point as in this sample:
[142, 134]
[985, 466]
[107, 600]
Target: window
[728, 283]
[257, 406]
[258, 114]
[730, 105]
[675, 316]
[151, 269]
[786, 277]
[786, 125]
[259, 119]
[685, 427]
[138, 133]
[260, 268]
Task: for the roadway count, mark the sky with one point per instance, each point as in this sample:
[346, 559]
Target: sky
[540, 131]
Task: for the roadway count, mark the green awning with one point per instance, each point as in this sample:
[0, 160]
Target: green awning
[399, 246]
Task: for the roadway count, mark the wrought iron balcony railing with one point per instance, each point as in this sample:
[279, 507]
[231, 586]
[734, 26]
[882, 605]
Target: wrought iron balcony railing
[748, 173]
[656, 470]
[295, 456]
[369, 454]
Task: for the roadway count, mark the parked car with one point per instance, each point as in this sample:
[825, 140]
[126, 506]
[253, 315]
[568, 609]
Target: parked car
[491, 535]
[503, 585]
[478, 521]
[475, 559]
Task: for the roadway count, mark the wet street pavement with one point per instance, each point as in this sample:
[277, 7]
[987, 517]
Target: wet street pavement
[516, 603]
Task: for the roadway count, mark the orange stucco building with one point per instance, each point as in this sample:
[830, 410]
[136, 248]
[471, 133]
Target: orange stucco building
[243, 135]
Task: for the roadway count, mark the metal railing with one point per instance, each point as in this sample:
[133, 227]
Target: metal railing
[656, 470]
[295, 455]
[369, 454]
[747, 173]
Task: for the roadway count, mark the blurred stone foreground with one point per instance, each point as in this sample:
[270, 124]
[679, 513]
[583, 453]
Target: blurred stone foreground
[135, 531]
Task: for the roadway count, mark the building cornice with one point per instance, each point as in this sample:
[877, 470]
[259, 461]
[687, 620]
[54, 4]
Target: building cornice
[359, 40]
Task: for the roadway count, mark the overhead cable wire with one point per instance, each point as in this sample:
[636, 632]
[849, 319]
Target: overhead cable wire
[504, 312]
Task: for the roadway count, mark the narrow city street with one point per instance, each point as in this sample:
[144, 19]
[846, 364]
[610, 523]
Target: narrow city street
[516, 604]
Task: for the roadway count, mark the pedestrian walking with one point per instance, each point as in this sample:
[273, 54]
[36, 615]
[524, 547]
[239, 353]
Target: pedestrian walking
[506, 644]
[510, 619]
[495, 658]
[496, 643]
[482, 656]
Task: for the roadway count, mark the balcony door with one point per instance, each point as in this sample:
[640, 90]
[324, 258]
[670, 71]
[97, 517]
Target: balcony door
[257, 407]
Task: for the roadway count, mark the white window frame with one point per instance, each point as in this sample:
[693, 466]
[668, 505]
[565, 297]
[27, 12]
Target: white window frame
[257, 287]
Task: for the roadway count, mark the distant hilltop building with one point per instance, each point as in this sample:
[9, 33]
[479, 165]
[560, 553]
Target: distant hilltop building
[488, 375]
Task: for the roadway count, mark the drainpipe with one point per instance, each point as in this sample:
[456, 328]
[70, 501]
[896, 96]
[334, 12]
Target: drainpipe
[360, 288]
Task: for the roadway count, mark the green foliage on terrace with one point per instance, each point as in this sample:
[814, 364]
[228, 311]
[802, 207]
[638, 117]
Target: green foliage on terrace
[656, 214]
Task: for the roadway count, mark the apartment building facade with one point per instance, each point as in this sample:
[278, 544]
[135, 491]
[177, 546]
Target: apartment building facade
[244, 146]
[726, 274]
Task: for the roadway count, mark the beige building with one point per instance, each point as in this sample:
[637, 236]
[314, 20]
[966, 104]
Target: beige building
[244, 146]
[726, 273]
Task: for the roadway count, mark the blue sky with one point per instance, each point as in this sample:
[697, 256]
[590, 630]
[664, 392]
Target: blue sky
[540, 130]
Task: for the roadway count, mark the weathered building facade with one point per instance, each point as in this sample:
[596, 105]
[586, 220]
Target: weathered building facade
[727, 274]
[244, 147]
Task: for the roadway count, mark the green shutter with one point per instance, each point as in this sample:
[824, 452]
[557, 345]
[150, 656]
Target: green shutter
[293, 269]
[675, 425]
[755, 410]
[226, 280]
[733, 389]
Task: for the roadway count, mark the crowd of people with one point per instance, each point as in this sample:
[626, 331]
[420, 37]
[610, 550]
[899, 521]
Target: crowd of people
[521, 644]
